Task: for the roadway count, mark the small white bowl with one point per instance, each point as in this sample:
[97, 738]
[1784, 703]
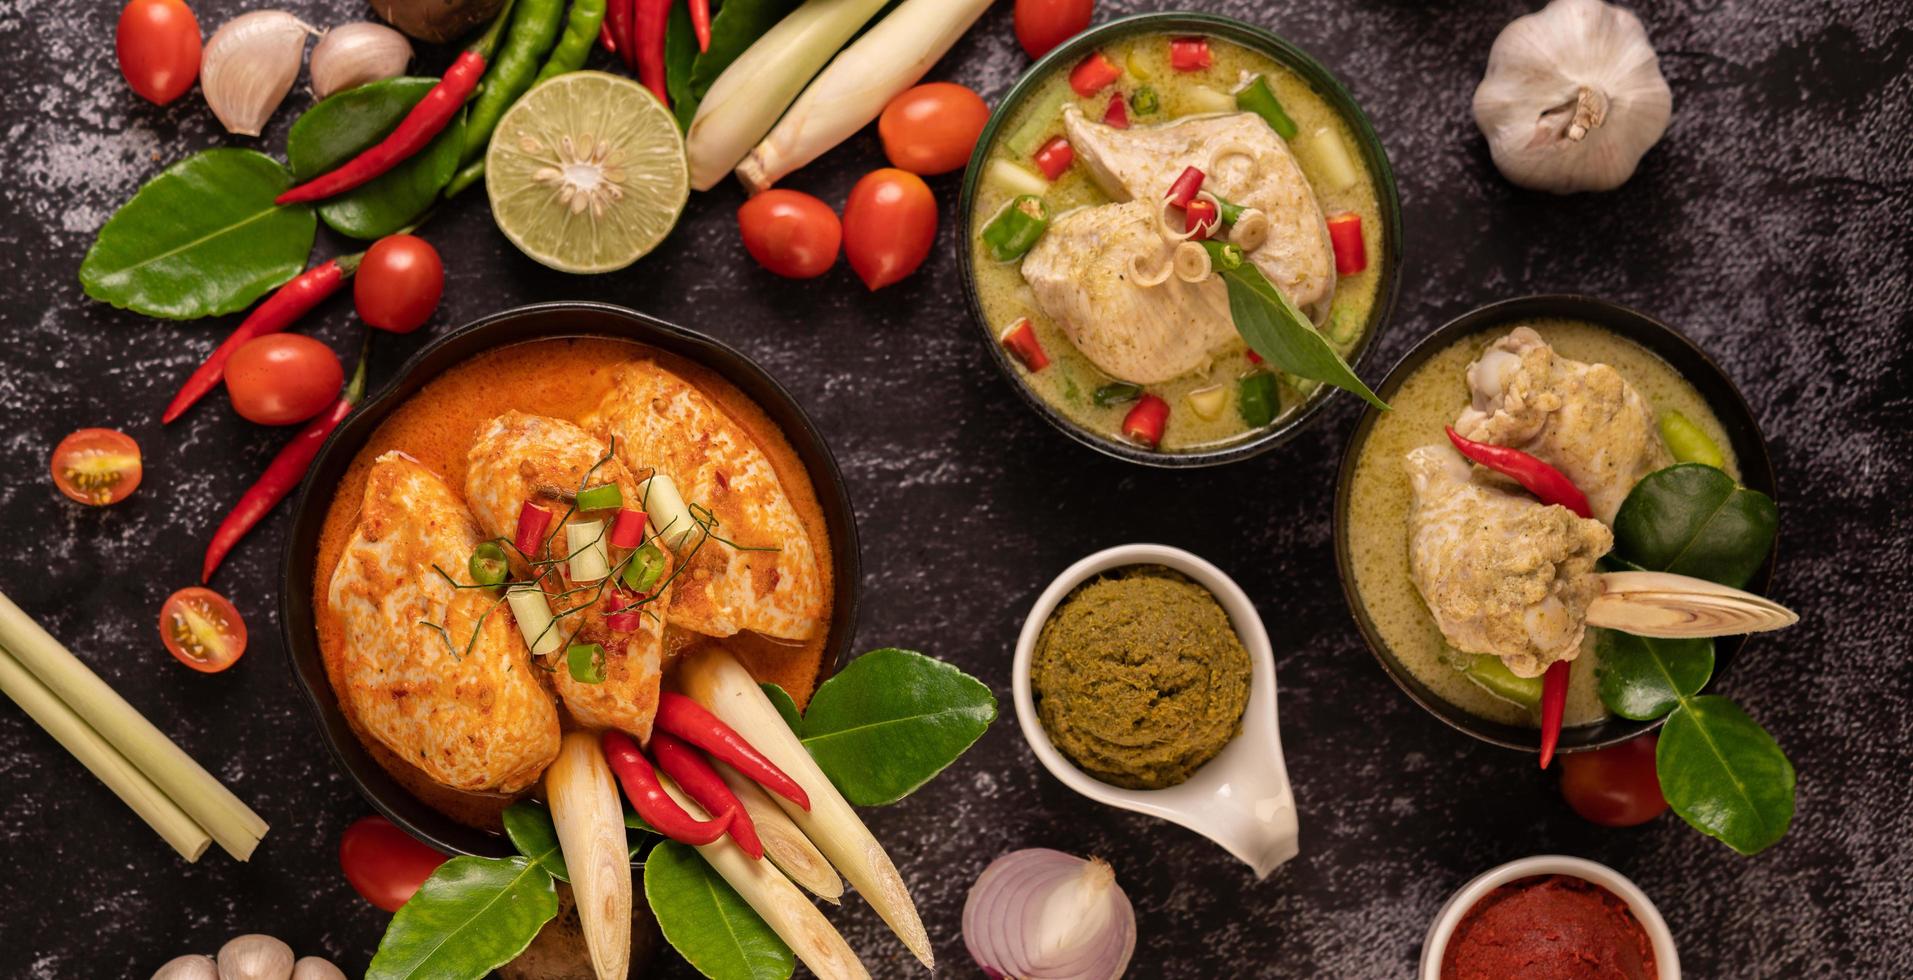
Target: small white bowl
[1666, 961]
[1241, 798]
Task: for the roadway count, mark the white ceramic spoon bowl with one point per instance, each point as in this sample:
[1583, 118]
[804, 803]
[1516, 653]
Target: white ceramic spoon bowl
[1240, 799]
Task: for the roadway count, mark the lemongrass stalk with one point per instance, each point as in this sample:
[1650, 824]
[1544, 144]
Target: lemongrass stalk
[717, 681]
[590, 821]
[231, 823]
[784, 844]
[778, 902]
[860, 81]
[749, 96]
[102, 759]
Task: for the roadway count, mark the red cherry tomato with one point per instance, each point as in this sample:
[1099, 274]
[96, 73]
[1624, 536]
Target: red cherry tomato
[283, 378]
[384, 864]
[399, 283]
[1044, 24]
[97, 466]
[890, 222]
[790, 233]
[202, 630]
[931, 129]
[1616, 786]
[158, 47]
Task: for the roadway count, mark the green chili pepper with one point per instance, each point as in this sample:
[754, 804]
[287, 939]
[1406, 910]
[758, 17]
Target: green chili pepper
[1144, 101]
[1689, 443]
[488, 565]
[1257, 399]
[586, 662]
[1227, 255]
[602, 497]
[1116, 393]
[1260, 99]
[1016, 229]
[534, 29]
[581, 32]
[642, 572]
[1230, 213]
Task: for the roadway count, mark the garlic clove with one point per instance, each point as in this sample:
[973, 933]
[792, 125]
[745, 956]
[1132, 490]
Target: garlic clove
[255, 957]
[316, 968]
[355, 54]
[192, 966]
[250, 65]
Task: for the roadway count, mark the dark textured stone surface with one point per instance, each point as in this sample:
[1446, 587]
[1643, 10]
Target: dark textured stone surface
[1772, 225]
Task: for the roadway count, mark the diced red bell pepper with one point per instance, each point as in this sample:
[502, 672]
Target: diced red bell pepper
[1189, 53]
[1093, 74]
[1200, 216]
[1145, 422]
[1054, 157]
[627, 529]
[1021, 340]
[533, 521]
[1345, 234]
[1184, 190]
[1117, 115]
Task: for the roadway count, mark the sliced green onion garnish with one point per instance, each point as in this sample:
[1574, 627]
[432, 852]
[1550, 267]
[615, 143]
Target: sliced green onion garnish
[603, 497]
[488, 564]
[646, 566]
[586, 662]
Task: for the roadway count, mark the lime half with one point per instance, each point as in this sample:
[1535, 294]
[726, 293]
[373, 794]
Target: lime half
[586, 172]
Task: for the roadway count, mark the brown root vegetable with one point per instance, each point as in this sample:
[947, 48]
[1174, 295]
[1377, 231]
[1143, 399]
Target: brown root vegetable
[559, 953]
[436, 21]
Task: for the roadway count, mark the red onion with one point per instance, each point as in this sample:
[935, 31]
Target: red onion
[1039, 914]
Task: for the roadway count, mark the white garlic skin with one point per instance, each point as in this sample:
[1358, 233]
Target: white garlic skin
[1573, 97]
[316, 968]
[249, 66]
[355, 54]
[192, 966]
[255, 957]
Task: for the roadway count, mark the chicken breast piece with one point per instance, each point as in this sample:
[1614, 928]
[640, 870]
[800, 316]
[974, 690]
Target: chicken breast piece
[1501, 573]
[1583, 419]
[1084, 274]
[1243, 162]
[519, 457]
[464, 706]
[658, 421]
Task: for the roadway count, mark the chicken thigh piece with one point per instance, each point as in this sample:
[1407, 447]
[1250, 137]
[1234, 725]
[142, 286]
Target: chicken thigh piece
[1244, 162]
[1084, 274]
[1583, 419]
[462, 705]
[518, 458]
[756, 569]
[1501, 573]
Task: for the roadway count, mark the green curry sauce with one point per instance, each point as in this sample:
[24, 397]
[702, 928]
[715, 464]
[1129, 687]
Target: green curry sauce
[1070, 382]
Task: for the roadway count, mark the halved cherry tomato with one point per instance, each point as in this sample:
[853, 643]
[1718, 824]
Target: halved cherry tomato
[890, 222]
[1044, 24]
[97, 466]
[283, 378]
[384, 864]
[399, 283]
[931, 129]
[202, 630]
[1617, 786]
[158, 47]
[790, 233]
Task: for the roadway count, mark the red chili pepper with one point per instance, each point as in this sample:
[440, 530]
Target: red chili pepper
[627, 529]
[653, 17]
[282, 475]
[648, 797]
[1145, 422]
[688, 720]
[1054, 157]
[1093, 74]
[625, 614]
[701, 23]
[1186, 186]
[1021, 340]
[1201, 216]
[618, 15]
[292, 301]
[529, 538]
[1117, 115]
[606, 39]
[1189, 53]
[702, 783]
[1345, 234]
[1254, 358]
[1554, 702]
[1544, 481]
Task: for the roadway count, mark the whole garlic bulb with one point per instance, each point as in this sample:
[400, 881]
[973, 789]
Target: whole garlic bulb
[1572, 98]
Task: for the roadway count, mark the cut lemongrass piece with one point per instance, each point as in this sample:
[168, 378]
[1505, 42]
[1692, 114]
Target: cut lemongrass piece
[1331, 155]
[717, 681]
[103, 760]
[1202, 98]
[1014, 179]
[784, 843]
[533, 612]
[211, 805]
[1209, 402]
[778, 902]
[590, 560]
[586, 810]
[664, 508]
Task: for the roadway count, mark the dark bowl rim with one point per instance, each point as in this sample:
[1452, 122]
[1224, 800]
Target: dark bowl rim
[1326, 84]
[1722, 396]
[297, 623]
